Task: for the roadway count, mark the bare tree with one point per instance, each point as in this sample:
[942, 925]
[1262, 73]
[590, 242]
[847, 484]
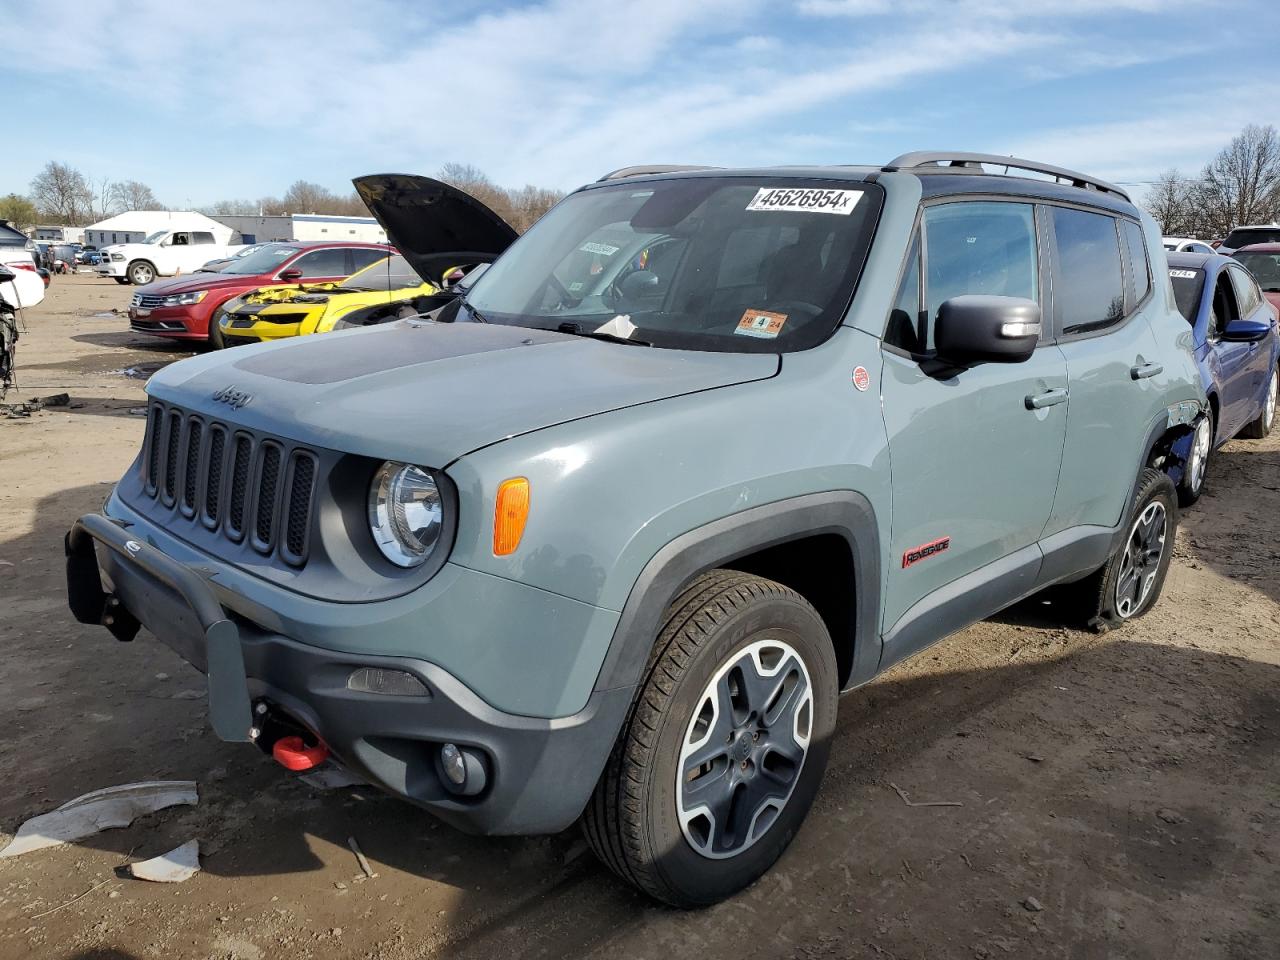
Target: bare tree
[529, 203]
[107, 199]
[1169, 201]
[231, 208]
[307, 197]
[475, 182]
[1242, 183]
[62, 193]
[138, 196]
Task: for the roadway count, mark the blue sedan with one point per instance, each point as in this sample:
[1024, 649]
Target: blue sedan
[1237, 348]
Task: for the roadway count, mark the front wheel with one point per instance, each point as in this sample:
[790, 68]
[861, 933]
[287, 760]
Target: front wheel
[1192, 483]
[141, 273]
[1260, 428]
[721, 756]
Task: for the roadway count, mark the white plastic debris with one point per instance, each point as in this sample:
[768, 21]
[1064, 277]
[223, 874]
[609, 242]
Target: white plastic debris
[181, 863]
[619, 326]
[101, 810]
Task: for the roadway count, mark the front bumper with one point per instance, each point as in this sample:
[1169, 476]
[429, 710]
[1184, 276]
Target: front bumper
[110, 268]
[177, 322]
[539, 773]
[257, 327]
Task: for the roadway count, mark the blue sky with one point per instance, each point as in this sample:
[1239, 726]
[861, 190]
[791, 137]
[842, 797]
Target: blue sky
[238, 99]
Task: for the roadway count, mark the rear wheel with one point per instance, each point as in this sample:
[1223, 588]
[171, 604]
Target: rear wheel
[721, 756]
[1129, 584]
[1261, 427]
[216, 340]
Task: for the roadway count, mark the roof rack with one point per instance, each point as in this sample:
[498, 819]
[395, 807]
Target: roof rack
[973, 163]
[645, 170]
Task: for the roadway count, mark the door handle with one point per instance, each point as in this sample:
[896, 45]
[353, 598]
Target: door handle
[1144, 370]
[1050, 398]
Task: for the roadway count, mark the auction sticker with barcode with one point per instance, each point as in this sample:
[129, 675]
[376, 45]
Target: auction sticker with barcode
[761, 323]
[1182, 274]
[805, 200]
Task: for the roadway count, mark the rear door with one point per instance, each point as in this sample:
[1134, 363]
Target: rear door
[1102, 291]
[974, 462]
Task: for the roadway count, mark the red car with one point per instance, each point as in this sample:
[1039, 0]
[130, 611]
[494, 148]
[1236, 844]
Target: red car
[181, 307]
[1263, 261]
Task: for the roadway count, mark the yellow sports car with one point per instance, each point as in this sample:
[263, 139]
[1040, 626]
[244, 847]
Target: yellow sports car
[436, 228]
[272, 313]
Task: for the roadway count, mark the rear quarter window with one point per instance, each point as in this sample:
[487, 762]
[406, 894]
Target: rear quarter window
[1187, 287]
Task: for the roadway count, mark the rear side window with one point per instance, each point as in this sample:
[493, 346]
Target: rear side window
[201, 237]
[329, 262]
[1089, 292]
[1136, 258]
[362, 257]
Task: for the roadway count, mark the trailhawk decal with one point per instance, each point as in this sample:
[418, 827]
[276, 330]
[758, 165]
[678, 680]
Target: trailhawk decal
[806, 200]
[925, 551]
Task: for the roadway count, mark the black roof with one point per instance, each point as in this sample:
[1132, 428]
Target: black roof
[946, 182]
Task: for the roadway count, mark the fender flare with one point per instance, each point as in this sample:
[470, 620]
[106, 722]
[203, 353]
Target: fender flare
[845, 513]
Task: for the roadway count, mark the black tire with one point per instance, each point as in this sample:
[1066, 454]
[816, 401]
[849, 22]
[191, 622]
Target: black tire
[216, 340]
[1199, 458]
[633, 820]
[1096, 597]
[141, 272]
[123, 281]
[1260, 428]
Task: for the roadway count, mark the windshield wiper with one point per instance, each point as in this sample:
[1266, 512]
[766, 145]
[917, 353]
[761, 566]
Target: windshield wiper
[575, 330]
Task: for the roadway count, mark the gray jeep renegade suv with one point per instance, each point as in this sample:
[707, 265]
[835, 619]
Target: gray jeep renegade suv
[605, 536]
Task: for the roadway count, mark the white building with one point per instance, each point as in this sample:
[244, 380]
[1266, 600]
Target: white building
[136, 225]
[59, 234]
[305, 226]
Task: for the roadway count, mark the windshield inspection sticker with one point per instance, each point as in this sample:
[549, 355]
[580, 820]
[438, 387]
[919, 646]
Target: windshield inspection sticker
[604, 249]
[761, 323]
[1182, 274]
[805, 200]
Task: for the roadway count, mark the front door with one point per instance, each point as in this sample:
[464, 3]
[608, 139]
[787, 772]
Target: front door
[1231, 361]
[974, 455]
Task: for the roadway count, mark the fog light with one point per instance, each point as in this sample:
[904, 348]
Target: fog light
[391, 683]
[453, 764]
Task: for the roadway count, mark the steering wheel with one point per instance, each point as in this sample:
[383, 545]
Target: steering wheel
[566, 298]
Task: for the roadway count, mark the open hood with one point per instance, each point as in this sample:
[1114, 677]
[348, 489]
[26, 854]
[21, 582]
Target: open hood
[434, 225]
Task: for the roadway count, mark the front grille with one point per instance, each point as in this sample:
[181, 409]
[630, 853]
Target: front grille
[148, 301]
[231, 481]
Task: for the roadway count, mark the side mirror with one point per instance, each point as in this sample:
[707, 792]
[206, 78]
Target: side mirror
[974, 329]
[290, 275]
[1246, 331]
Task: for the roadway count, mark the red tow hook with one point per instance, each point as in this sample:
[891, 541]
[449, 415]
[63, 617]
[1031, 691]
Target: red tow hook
[292, 753]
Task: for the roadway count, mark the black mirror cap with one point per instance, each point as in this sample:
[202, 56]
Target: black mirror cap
[973, 329]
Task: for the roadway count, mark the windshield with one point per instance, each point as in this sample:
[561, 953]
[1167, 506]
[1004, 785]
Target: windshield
[1244, 237]
[733, 264]
[157, 236]
[1265, 268]
[1187, 285]
[389, 273]
[263, 260]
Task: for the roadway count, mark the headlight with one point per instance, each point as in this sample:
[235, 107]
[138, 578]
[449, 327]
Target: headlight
[405, 513]
[117, 256]
[184, 299]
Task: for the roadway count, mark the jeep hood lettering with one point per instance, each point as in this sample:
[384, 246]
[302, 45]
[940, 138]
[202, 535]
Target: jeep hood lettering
[434, 225]
[429, 393]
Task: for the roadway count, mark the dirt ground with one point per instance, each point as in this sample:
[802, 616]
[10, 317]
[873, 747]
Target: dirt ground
[1120, 795]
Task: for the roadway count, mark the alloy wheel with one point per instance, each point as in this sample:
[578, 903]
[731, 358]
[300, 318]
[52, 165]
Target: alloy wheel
[1198, 460]
[1269, 411]
[1140, 563]
[743, 750]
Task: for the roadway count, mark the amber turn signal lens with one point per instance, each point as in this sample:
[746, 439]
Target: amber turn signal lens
[509, 515]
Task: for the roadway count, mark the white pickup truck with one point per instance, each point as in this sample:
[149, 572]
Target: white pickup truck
[162, 254]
